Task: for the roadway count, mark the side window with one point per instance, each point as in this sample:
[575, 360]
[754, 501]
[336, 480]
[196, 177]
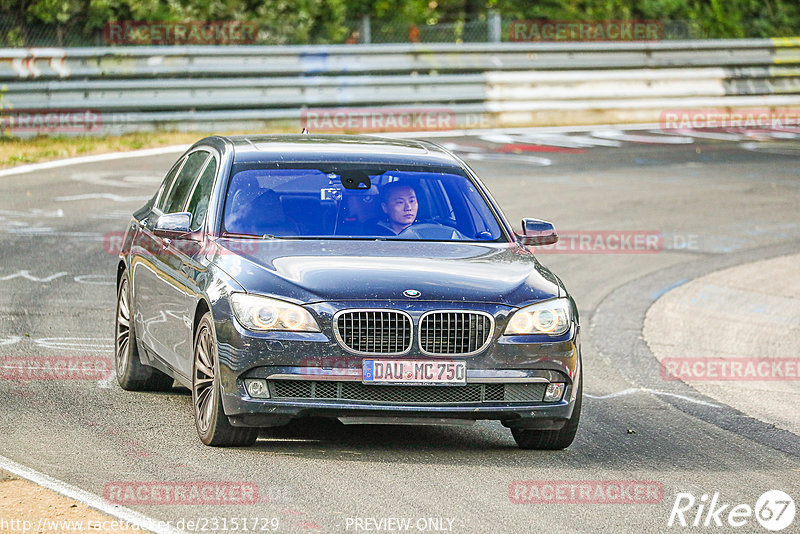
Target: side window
[198, 203]
[166, 185]
[180, 188]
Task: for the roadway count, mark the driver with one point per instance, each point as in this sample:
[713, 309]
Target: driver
[400, 206]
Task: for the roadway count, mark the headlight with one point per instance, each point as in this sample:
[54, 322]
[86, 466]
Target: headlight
[552, 318]
[255, 312]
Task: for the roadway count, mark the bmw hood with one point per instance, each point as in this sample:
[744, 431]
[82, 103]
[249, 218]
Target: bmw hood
[309, 271]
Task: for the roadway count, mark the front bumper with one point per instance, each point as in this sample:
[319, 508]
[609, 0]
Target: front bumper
[533, 416]
[404, 401]
[508, 361]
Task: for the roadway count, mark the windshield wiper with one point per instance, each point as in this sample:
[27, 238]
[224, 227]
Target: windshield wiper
[252, 236]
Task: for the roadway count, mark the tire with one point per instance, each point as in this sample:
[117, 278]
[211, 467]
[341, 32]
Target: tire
[132, 374]
[213, 426]
[552, 440]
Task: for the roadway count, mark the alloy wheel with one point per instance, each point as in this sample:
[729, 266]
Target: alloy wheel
[123, 330]
[203, 384]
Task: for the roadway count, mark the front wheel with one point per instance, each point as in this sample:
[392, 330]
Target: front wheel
[212, 424]
[552, 439]
[132, 374]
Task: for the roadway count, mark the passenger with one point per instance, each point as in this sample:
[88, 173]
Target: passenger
[359, 212]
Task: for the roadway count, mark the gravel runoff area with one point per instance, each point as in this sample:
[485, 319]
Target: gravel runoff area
[27, 507]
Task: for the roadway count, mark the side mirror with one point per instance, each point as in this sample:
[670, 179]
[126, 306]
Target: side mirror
[538, 232]
[174, 223]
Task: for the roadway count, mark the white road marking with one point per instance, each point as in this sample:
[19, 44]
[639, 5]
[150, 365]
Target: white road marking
[570, 141]
[78, 344]
[27, 275]
[757, 134]
[584, 140]
[511, 158]
[89, 499]
[684, 397]
[772, 148]
[112, 215]
[33, 167]
[10, 340]
[106, 196]
[455, 147]
[96, 279]
[719, 136]
[631, 391]
[22, 228]
[557, 140]
[18, 227]
[464, 132]
[500, 139]
[106, 383]
[783, 135]
[615, 394]
[35, 212]
[646, 139]
[106, 179]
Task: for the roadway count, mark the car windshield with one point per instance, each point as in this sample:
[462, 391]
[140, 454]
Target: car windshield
[356, 202]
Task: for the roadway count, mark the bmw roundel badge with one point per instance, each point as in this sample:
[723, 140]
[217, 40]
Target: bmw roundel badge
[412, 293]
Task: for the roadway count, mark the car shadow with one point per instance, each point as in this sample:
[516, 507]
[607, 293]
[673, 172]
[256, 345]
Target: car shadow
[627, 433]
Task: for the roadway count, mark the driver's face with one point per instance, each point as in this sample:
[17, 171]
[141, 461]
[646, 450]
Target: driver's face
[401, 206]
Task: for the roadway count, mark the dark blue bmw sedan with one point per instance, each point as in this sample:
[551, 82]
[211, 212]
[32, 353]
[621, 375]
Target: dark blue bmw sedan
[366, 279]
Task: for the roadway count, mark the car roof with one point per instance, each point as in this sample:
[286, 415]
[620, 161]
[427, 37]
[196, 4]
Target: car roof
[338, 148]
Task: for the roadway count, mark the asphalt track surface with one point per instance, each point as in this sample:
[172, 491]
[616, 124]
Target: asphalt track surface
[717, 203]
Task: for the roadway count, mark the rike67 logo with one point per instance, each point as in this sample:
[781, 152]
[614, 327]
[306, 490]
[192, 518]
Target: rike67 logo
[774, 510]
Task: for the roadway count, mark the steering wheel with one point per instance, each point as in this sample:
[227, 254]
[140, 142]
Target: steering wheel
[433, 231]
[444, 221]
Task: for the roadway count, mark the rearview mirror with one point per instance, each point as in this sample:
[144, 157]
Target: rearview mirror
[174, 223]
[537, 232]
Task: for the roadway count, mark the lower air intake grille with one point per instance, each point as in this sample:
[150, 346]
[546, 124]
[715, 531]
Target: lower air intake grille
[356, 391]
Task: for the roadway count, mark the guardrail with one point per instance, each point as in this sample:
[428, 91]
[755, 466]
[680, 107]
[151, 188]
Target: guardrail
[508, 84]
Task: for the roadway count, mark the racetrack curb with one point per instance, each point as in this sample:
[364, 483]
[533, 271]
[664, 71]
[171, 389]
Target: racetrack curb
[616, 332]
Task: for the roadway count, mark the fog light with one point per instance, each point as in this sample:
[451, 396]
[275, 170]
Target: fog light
[554, 392]
[257, 388]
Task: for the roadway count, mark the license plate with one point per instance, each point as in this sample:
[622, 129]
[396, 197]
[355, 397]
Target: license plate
[419, 372]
